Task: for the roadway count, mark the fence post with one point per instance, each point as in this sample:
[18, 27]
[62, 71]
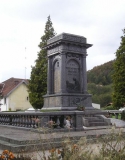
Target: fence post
[79, 120]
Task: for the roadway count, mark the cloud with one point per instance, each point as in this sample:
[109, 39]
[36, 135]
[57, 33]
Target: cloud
[23, 22]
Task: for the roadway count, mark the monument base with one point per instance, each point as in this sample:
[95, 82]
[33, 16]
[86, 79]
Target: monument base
[67, 101]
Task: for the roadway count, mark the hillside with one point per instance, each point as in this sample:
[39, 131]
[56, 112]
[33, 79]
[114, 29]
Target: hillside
[101, 74]
[100, 83]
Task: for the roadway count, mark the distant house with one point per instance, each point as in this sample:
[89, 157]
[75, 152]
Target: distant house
[14, 95]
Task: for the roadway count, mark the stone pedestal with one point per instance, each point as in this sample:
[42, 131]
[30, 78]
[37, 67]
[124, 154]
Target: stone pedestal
[67, 101]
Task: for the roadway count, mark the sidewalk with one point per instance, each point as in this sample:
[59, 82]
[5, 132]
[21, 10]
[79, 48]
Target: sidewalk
[14, 135]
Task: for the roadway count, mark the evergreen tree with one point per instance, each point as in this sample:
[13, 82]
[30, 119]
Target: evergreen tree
[38, 80]
[119, 75]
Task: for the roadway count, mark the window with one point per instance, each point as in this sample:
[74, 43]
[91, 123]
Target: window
[27, 98]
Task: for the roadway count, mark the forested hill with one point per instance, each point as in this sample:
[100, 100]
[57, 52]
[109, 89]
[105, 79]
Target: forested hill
[101, 74]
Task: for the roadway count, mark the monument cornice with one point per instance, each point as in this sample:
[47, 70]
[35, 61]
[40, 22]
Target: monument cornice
[67, 49]
[57, 43]
[67, 94]
[69, 39]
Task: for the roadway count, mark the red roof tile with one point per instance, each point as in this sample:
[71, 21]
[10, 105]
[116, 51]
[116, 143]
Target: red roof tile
[8, 85]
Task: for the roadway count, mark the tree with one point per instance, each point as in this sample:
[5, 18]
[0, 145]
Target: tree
[119, 75]
[38, 80]
[100, 94]
[101, 74]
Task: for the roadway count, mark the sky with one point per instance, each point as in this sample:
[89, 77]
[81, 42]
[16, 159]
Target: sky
[22, 23]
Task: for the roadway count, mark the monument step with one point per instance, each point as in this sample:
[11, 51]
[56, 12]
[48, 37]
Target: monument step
[16, 141]
[15, 147]
[94, 118]
[29, 147]
[96, 127]
[97, 123]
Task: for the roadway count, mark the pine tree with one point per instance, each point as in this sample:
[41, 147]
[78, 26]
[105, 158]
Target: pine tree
[119, 75]
[38, 80]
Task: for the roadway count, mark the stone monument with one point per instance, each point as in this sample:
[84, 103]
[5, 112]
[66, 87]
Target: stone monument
[67, 75]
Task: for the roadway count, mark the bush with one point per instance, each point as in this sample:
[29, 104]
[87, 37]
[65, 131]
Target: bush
[109, 107]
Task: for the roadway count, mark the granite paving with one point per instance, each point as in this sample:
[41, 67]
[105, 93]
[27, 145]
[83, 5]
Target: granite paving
[29, 134]
[21, 134]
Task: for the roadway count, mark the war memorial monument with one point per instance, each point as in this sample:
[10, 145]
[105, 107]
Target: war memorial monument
[66, 91]
[67, 78]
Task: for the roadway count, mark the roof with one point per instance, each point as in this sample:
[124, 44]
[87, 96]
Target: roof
[1, 87]
[9, 85]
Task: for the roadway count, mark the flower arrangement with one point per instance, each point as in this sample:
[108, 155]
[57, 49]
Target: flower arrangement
[81, 108]
[7, 155]
[51, 124]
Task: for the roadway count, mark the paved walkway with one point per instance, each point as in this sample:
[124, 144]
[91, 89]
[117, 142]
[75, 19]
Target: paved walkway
[117, 122]
[29, 135]
[23, 134]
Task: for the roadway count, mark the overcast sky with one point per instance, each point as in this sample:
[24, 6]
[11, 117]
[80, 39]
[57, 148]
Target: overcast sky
[22, 24]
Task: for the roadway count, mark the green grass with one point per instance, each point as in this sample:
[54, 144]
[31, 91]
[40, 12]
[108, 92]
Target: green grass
[52, 110]
[119, 116]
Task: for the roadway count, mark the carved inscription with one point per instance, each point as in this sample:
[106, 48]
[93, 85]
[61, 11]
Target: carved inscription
[73, 77]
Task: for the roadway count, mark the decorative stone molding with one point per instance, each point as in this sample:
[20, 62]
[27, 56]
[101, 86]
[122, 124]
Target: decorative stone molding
[67, 37]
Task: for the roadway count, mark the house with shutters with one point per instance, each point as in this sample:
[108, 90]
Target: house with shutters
[14, 95]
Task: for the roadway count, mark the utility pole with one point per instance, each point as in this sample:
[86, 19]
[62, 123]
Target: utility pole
[25, 63]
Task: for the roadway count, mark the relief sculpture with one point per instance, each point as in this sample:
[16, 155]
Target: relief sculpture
[73, 87]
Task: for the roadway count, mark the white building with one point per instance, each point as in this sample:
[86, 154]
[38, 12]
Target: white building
[14, 93]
